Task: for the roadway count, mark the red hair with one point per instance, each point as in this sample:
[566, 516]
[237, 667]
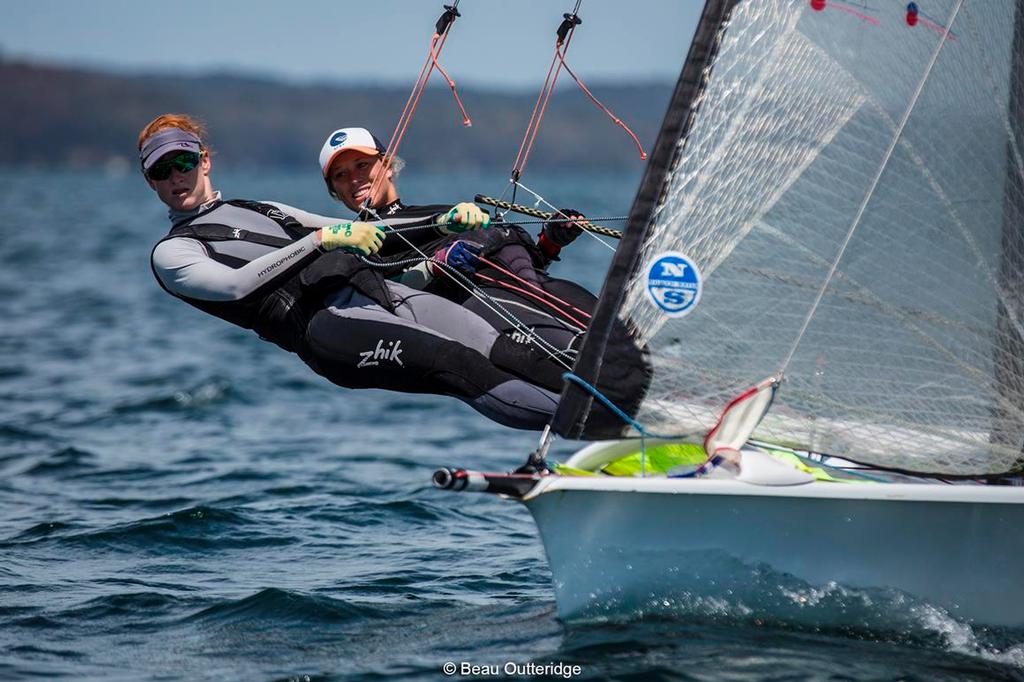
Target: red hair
[164, 121]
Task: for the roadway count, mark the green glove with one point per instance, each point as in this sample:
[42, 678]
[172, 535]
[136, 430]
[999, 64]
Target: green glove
[462, 217]
[357, 237]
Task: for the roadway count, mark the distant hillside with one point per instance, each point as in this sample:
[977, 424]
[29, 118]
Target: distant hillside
[54, 116]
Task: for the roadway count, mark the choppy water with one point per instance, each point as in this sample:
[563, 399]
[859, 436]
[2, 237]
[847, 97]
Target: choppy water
[180, 501]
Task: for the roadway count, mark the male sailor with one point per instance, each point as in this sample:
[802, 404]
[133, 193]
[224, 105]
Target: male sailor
[513, 270]
[303, 281]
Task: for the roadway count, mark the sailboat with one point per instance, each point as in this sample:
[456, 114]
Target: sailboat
[823, 270]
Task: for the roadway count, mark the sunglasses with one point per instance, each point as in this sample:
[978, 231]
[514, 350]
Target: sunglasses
[183, 162]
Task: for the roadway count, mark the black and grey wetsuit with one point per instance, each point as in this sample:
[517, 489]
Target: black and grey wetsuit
[556, 310]
[256, 265]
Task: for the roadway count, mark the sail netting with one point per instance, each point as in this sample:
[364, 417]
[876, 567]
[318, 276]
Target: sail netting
[882, 139]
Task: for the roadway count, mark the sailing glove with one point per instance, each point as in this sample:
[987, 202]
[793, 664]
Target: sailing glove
[356, 237]
[561, 233]
[462, 217]
[558, 233]
[460, 255]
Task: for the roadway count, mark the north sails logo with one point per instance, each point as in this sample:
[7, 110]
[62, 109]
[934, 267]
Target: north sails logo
[372, 358]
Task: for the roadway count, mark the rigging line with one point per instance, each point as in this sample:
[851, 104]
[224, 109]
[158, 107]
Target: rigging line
[401, 125]
[557, 212]
[871, 189]
[437, 41]
[474, 291]
[564, 33]
[546, 216]
[615, 119]
[580, 326]
[606, 401]
[542, 291]
[451, 84]
[529, 126]
[534, 126]
[603, 219]
[563, 356]
[489, 302]
[414, 100]
[498, 213]
[467, 285]
[521, 166]
[563, 36]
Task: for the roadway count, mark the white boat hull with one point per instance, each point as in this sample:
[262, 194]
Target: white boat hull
[623, 545]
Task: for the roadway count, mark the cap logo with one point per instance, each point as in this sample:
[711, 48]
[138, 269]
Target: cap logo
[338, 138]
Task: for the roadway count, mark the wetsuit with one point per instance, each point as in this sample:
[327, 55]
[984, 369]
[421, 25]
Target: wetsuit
[556, 310]
[559, 315]
[257, 265]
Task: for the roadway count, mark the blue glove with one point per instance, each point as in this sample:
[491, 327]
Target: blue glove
[460, 255]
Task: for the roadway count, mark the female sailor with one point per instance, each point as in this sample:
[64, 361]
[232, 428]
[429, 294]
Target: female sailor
[303, 282]
[503, 262]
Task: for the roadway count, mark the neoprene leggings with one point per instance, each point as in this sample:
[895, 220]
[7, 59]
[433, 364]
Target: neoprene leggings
[556, 310]
[431, 345]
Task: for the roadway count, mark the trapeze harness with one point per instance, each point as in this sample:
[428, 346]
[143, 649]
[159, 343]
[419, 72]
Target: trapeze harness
[343, 317]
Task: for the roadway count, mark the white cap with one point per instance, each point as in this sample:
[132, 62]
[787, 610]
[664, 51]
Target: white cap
[167, 140]
[343, 139]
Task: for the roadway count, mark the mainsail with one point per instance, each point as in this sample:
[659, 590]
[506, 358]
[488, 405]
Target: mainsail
[848, 178]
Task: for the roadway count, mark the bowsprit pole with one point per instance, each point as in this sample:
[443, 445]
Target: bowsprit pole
[514, 485]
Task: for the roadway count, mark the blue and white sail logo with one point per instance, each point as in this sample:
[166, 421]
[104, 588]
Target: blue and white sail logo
[673, 283]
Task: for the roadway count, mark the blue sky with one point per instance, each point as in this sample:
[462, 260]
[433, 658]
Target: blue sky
[498, 43]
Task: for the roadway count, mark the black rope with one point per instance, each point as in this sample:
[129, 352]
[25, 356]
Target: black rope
[603, 219]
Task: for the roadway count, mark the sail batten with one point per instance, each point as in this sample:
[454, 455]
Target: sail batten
[850, 185]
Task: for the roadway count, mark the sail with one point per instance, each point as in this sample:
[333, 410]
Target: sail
[846, 178]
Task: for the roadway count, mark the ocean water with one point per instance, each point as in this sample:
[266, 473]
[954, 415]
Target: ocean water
[180, 501]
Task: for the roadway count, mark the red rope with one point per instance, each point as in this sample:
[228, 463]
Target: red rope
[437, 42]
[613, 117]
[539, 108]
[524, 292]
[451, 84]
[417, 89]
[530, 284]
[403, 122]
[520, 162]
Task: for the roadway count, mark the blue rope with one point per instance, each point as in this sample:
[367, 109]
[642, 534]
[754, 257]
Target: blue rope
[582, 383]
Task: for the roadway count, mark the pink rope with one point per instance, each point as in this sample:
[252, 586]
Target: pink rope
[524, 292]
[606, 110]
